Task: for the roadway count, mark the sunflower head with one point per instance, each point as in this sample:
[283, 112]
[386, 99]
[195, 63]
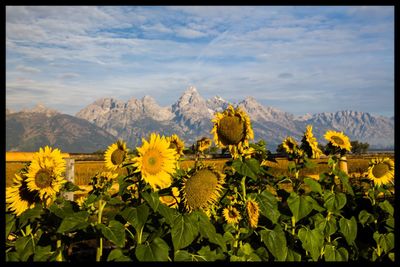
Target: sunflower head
[309, 144]
[176, 143]
[156, 162]
[232, 129]
[45, 173]
[252, 209]
[115, 155]
[171, 200]
[338, 140]
[231, 215]
[381, 171]
[290, 145]
[201, 188]
[102, 181]
[18, 197]
[203, 144]
[133, 191]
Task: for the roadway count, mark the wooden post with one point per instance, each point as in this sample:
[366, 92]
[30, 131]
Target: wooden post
[343, 164]
[69, 175]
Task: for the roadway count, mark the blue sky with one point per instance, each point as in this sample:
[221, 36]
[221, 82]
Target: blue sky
[295, 58]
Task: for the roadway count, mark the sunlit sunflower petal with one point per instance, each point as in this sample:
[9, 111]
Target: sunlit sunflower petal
[231, 215]
[19, 198]
[115, 155]
[338, 139]
[381, 171]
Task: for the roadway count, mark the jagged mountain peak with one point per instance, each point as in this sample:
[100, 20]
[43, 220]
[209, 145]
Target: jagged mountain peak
[41, 108]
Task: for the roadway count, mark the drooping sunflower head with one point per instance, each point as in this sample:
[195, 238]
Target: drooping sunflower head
[309, 144]
[381, 171]
[201, 188]
[102, 181]
[203, 144]
[232, 129]
[156, 162]
[171, 200]
[18, 197]
[338, 139]
[45, 173]
[115, 155]
[231, 215]
[252, 209]
[290, 145]
[176, 143]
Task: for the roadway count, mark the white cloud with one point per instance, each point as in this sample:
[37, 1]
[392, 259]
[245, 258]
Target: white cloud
[27, 69]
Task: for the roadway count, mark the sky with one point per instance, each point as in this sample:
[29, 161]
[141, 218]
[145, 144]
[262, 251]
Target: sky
[297, 59]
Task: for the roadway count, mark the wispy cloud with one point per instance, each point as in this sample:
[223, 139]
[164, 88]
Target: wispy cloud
[293, 58]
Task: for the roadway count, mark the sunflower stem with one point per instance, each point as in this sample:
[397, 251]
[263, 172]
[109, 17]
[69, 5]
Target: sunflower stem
[59, 255]
[99, 252]
[243, 185]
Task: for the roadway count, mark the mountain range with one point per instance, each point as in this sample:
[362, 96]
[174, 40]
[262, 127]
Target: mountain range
[108, 119]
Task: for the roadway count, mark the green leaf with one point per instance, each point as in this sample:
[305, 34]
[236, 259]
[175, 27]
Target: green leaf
[300, 206]
[117, 255]
[312, 241]
[207, 230]
[386, 241]
[71, 187]
[115, 232]
[30, 215]
[314, 185]
[391, 256]
[74, 222]
[262, 252]
[168, 213]
[137, 217]
[42, 253]
[182, 255]
[210, 255]
[364, 217]
[245, 253]
[275, 240]
[157, 250]
[10, 224]
[335, 254]
[344, 178]
[62, 209]
[268, 205]
[248, 167]
[12, 256]
[334, 202]
[152, 199]
[293, 256]
[25, 247]
[386, 206]
[314, 204]
[183, 231]
[348, 228]
[327, 227]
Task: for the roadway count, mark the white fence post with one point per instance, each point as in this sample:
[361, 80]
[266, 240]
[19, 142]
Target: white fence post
[69, 175]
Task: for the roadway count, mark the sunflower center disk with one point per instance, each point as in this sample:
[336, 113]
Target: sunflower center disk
[117, 157]
[337, 140]
[200, 189]
[153, 162]
[43, 178]
[380, 170]
[231, 130]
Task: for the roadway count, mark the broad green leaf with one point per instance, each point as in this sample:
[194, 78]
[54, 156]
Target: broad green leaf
[74, 222]
[293, 256]
[268, 206]
[137, 217]
[300, 206]
[364, 217]
[249, 167]
[333, 253]
[24, 247]
[10, 224]
[312, 241]
[344, 178]
[386, 206]
[62, 209]
[207, 230]
[115, 232]
[30, 215]
[245, 253]
[348, 228]
[12, 256]
[314, 185]
[210, 255]
[275, 240]
[42, 253]
[262, 252]
[386, 241]
[157, 250]
[152, 199]
[334, 202]
[314, 203]
[182, 255]
[117, 255]
[168, 213]
[391, 256]
[183, 231]
[71, 187]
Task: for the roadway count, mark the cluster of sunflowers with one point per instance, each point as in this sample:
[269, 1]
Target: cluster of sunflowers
[228, 197]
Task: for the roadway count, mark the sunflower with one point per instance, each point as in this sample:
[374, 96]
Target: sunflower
[201, 188]
[231, 215]
[309, 144]
[232, 129]
[115, 155]
[338, 139]
[176, 143]
[103, 180]
[45, 173]
[252, 209]
[171, 201]
[381, 171]
[19, 198]
[203, 144]
[290, 145]
[133, 190]
[156, 162]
